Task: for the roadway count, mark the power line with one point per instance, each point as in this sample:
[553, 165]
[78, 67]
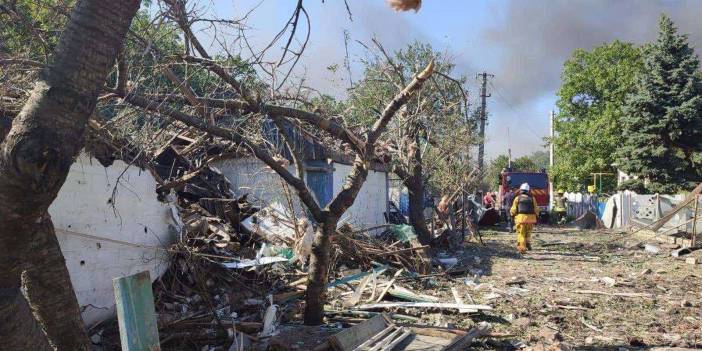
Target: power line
[514, 109]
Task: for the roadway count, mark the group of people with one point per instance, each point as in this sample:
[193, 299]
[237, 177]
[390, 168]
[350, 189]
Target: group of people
[524, 210]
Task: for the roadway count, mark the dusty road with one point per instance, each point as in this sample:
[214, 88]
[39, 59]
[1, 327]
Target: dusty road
[593, 292]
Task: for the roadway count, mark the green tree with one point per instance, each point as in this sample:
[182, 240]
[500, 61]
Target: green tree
[430, 139]
[590, 102]
[663, 118]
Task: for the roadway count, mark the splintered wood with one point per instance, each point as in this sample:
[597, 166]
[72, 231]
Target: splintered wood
[362, 250]
[376, 334]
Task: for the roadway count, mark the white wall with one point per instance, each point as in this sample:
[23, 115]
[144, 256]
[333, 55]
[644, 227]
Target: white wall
[254, 177]
[137, 217]
[369, 207]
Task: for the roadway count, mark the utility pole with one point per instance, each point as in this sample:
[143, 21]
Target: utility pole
[509, 152]
[483, 116]
[551, 116]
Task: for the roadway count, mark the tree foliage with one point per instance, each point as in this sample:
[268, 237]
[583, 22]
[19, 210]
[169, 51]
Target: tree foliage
[590, 102]
[436, 116]
[663, 117]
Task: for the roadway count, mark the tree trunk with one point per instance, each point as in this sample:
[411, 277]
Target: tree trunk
[318, 274]
[415, 188]
[34, 161]
[326, 227]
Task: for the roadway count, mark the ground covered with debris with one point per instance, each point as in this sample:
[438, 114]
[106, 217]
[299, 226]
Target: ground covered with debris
[576, 290]
[582, 288]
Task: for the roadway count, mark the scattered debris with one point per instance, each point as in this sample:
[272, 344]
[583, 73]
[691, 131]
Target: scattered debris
[652, 249]
[684, 251]
[377, 333]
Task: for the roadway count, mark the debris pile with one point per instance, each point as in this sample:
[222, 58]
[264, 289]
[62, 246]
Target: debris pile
[238, 273]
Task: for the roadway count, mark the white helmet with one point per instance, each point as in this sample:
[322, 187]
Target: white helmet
[524, 187]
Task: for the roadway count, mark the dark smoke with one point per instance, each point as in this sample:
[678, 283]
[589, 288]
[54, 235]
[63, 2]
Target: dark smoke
[536, 37]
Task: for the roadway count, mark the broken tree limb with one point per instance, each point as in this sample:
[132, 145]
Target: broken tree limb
[404, 250]
[259, 151]
[185, 90]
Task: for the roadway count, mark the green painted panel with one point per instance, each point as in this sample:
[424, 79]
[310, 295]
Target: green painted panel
[135, 312]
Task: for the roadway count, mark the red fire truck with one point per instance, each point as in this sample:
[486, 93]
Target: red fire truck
[538, 182]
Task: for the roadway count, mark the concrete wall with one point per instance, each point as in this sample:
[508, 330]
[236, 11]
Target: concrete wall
[369, 207]
[253, 177]
[84, 206]
[264, 186]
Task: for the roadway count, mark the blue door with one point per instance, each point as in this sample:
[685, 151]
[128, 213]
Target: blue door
[321, 184]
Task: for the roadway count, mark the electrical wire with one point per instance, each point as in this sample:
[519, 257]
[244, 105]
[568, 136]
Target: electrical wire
[514, 109]
[141, 246]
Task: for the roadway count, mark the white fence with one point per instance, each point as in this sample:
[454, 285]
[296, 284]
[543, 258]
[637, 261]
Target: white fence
[627, 208]
[579, 203]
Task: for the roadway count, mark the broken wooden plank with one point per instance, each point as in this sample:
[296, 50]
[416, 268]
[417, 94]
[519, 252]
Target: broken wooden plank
[408, 295]
[459, 301]
[286, 296]
[356, 297]
[349, 339]
[398, 340]
[568, 307]
[356, 276]
[425, 267]
[464, 343]
[376, 337]
[620, 294]
[392, 281]
[439, 305]
[254, 262]
[391, 340]
[135, 312]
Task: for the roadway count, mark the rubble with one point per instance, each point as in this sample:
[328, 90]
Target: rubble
[238, 275]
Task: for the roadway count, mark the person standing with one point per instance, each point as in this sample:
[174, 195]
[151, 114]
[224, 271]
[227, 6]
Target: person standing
[559, 206]
[506, 205]
[488, 200]
[524, 211]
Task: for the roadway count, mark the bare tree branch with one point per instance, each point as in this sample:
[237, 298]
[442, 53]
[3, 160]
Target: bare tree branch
[258, 150]
[359, 171]
[397, 102]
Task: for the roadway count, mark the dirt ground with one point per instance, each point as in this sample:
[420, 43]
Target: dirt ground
[536, 295]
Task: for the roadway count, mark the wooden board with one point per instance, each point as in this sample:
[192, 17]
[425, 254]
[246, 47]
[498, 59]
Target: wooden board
[350, 338]
[135, 313]
[439, 305]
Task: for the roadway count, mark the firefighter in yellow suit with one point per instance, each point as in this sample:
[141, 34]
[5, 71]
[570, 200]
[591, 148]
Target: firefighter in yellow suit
[523, 210]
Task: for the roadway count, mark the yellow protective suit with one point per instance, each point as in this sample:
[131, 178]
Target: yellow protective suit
[524, 224]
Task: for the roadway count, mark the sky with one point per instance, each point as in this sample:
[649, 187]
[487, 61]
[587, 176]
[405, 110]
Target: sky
[523, 43]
